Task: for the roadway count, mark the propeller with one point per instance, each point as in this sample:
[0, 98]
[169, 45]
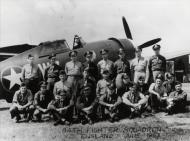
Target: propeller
[129, 35]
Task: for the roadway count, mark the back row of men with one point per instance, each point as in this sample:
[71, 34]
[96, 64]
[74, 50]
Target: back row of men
[86, 92]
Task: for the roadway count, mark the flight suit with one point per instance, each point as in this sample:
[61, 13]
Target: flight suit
[22, 99]
[105, 65]
[31, 76]
[157, 64]
[51, 76]
[41, 100]
[140, 68]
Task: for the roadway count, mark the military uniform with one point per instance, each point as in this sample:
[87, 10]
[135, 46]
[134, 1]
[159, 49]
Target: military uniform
[41, 101]
[177, 101]
[140, 68]
[112, 112]
[86, 101]
[31, 76]
[62, 86]
[20, 99]
[156, 103]
[105, 65]
[51, 76]
[102, 87]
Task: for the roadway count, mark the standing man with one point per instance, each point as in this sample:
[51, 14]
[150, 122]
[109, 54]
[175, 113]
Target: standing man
[31, 74]
[52, 73]
[73, 69]
[121, 66]
[22, 103]
[157, 63]
[93, 69]
[105, 63]
[139, 66]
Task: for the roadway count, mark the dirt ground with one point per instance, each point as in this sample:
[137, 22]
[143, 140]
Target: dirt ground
[159, 127]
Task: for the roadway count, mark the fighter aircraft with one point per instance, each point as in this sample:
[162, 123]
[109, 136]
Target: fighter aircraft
[10, 69]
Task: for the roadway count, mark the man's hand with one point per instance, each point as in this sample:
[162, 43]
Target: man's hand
[110, 105]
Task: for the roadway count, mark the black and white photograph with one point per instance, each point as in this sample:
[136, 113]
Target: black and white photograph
[94, 70]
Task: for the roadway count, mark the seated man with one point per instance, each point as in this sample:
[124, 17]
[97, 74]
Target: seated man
[41, 100]
[62, 107]
[111, 101]
[86, 105]
[158, 95]
[22, 104]
[134, 100]
[177, 100]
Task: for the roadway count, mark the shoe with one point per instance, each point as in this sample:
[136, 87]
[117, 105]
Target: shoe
[57, 122]
[18, 118]
[132, 115]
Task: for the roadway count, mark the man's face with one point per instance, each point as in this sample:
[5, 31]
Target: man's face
[104, 56]
[157, 52]
[43, 89]
[85, 74]
[126, 80]
[73, 57]
[138, 53]
[88, 58]
[30, 60]
[141, 81]
[53, 59]
[133, 89]
[178, 87]
[87, 92]
[23, 89]
[105, 76]
[62, 77]
[158, 82]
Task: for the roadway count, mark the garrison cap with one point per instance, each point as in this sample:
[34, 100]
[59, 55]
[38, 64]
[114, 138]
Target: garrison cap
[52, 56]
[88, 54]
[156, 47]
[43, 84]
[22, 84]
[62, 72]
[103, 51]
[73, 52]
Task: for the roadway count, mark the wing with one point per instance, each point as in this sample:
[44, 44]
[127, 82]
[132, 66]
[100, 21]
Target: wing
[6, 52]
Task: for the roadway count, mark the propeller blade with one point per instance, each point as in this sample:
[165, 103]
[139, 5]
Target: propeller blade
[150, 43]
[126, 28]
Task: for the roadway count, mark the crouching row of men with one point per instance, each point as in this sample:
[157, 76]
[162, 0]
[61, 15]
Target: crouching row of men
[88, 107]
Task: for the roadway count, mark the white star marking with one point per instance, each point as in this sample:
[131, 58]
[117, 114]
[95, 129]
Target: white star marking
[14, 78]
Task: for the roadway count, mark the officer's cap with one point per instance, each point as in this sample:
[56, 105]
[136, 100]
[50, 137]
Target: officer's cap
[156, 47]
[103, 51]
[43, 84]
[30, 55]
[73, 53]
[22, 84]
[88, 54]
[52, 56]
[62, 72]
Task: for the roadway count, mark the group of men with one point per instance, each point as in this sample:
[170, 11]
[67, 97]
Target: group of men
[89, 92]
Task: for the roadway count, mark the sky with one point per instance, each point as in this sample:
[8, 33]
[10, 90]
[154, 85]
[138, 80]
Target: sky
[35, 21]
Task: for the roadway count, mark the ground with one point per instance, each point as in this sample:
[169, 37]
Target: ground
[159, 127]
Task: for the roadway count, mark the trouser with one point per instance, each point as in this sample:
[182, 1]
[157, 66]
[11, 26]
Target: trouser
[66, 114]
[176, 106]
[38, 113]
[15, 111]
[155, 73]
[137, 75]
[32, 84]
[50, 84]
[156, 103]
